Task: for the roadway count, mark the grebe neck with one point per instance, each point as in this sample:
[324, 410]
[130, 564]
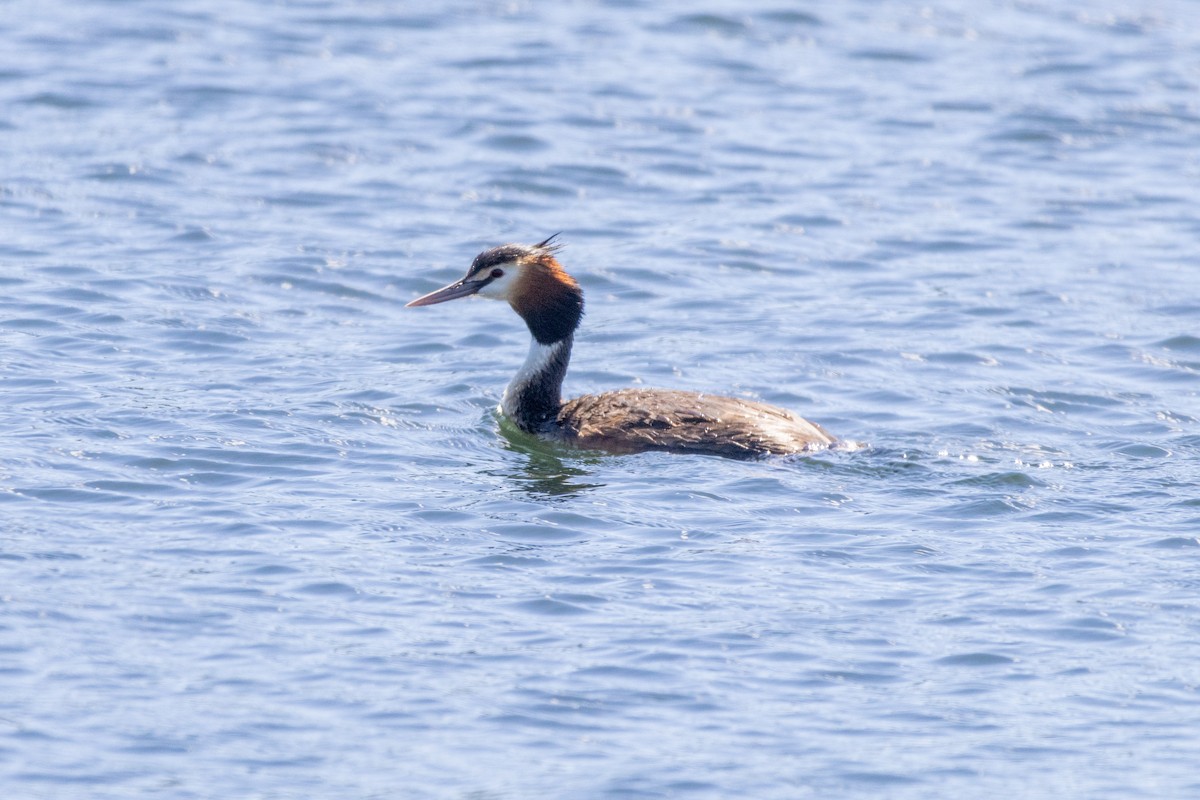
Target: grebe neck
[534, 396]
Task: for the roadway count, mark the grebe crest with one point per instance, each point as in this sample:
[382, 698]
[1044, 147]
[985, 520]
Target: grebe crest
[535, 285]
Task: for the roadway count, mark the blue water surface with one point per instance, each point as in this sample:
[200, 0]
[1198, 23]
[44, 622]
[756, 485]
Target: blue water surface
[263, 536]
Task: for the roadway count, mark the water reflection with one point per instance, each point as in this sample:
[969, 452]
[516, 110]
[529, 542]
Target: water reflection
[543, 471]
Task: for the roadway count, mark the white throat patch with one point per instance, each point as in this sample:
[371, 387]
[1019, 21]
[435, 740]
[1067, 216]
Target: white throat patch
[539, 359]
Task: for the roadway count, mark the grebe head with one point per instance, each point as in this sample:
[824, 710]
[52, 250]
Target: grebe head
[530, 278]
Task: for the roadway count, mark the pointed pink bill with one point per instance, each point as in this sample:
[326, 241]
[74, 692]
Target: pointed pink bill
[463, 288]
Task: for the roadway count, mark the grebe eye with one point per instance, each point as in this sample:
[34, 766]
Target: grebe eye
[497, 273]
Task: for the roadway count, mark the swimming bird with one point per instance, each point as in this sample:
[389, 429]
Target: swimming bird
[531, 280]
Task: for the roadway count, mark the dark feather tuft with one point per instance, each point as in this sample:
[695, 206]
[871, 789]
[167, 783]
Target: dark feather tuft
[549, 244]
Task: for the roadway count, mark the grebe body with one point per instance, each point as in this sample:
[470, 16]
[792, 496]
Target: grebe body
[532, 281]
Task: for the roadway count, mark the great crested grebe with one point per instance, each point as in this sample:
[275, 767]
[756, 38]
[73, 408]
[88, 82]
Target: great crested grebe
[625, 421]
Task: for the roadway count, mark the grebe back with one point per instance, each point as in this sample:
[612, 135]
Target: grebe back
[530, 278]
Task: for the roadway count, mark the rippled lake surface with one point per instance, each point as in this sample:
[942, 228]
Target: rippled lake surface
[264, 537]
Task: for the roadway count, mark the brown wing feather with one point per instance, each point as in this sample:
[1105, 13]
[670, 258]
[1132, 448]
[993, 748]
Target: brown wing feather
[632, 420]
